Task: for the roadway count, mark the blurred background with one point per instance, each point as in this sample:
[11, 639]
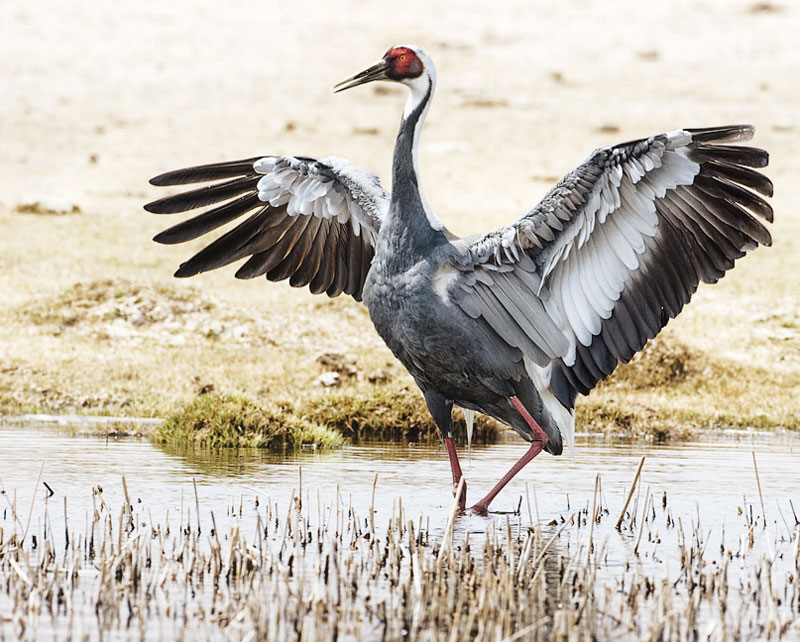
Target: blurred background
[98, 97]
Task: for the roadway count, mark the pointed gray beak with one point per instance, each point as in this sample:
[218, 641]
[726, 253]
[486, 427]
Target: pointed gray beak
[376, 72]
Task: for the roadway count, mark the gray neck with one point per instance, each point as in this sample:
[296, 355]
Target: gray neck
[411, 230]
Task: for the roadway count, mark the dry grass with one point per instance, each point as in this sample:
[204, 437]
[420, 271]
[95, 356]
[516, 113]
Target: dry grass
[389, 413]
[383, 413]
[671, 391]
[332, 571]
[150, 347]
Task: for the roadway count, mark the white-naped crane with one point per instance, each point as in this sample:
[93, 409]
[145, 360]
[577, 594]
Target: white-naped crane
[514, 323]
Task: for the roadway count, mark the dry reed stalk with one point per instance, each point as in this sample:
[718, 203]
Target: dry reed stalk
[630, 493]
[447, 540]
[372, 507]
[760, 495]
[196, 505]
[33, 502]
[323, 573]
[594, 513]
[641, 526]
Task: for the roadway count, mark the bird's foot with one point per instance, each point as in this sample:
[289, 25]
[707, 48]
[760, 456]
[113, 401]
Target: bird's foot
[481, 509]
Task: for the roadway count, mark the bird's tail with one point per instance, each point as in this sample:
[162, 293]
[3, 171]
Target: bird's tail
[560, 415]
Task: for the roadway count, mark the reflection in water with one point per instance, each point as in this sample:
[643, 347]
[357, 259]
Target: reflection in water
[222, 462]
[244, 461]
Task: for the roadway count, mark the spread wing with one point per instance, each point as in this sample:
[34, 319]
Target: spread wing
[616, 249]
[312, 221]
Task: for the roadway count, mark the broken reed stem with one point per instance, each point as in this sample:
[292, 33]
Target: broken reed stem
[541, 554]
[128, 509]
[760, 495]
[125, 492]
[531, 628]
[196, 505]
[501, 588]
[286, 523]
[33, 501]
[594, 512]
[785, 523]
[300, 486]
[630, 493]
[528, 499]
[372, 507]
[66, 525]
[641, 525]
[448, 531]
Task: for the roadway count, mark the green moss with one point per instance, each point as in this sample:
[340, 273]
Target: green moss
[229, 420]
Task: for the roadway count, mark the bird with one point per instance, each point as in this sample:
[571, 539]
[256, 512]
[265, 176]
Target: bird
[515, 323]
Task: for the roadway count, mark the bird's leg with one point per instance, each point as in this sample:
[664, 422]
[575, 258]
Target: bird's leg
[441, 411]
[455, 466]
[537, 445]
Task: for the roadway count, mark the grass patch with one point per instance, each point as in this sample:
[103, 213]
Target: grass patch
[387, 413]
[229, 420]
[662, 362]
[632, 422]
[390, 412]
[117, 347]
[669, 391]
[48, 206]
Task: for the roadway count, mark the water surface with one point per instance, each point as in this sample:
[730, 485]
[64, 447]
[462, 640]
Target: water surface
[712, 479]
[704, 501]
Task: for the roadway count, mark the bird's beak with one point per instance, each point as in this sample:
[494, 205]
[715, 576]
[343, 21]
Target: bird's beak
[376, 72]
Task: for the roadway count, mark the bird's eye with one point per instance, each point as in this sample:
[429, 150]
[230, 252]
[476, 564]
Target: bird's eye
[403, 58]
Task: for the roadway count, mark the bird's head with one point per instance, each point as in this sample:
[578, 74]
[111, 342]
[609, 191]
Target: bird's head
[403, 64]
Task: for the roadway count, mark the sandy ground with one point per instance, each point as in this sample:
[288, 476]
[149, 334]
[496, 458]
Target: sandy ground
[96, 98]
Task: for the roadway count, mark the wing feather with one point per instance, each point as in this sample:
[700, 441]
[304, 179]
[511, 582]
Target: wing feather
[322, 281]
[293, 249]
[619, 247]
[209, 221]
[201, 197]
[355, 278]
[310, 265]
[311, 221]
[340, 275]
[741, 175]
[205, 173]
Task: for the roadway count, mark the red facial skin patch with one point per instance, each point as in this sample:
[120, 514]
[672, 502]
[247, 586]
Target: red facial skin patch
[403, 63]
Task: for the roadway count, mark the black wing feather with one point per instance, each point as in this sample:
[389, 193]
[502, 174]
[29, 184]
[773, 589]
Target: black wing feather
[308, 249]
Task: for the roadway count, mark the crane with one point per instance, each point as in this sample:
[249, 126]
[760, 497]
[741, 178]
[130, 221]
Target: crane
[515, 323]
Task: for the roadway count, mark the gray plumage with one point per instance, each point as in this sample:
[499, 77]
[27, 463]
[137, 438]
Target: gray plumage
[541, 309]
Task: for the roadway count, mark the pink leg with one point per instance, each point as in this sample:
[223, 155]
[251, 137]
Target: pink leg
[537, 445]
[456, 468]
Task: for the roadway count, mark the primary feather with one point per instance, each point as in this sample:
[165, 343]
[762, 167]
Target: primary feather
[312, 221]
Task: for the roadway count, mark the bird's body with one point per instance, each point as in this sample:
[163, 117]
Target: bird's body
[514, 323]
[451, 360]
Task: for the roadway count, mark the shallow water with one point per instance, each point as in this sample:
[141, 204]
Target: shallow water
[711, 492]
[713, 477]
